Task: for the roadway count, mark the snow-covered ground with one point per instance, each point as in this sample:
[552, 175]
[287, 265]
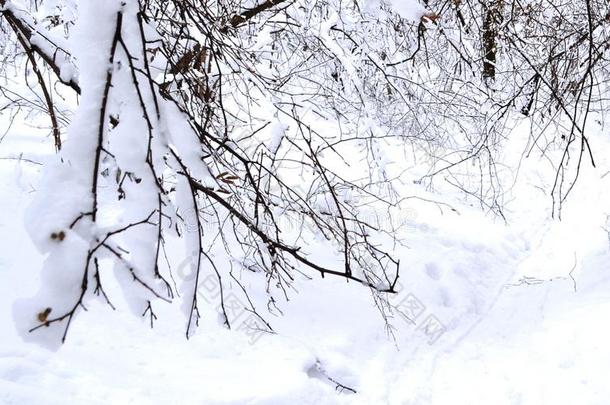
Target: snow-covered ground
[498, 314]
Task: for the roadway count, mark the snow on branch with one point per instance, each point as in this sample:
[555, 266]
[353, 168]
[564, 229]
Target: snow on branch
[41, 42]
[154, 153]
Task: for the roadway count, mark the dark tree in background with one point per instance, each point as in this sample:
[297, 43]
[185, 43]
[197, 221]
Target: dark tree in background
[492, 15]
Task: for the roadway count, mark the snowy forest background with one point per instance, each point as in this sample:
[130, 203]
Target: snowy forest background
[286, 201]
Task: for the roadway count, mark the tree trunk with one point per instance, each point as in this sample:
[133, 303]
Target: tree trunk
[492, 14]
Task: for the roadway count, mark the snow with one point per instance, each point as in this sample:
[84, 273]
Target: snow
[488, 311]
[410, 10]
[506, 339]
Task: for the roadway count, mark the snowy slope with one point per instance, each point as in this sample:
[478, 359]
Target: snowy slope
[495, 313]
